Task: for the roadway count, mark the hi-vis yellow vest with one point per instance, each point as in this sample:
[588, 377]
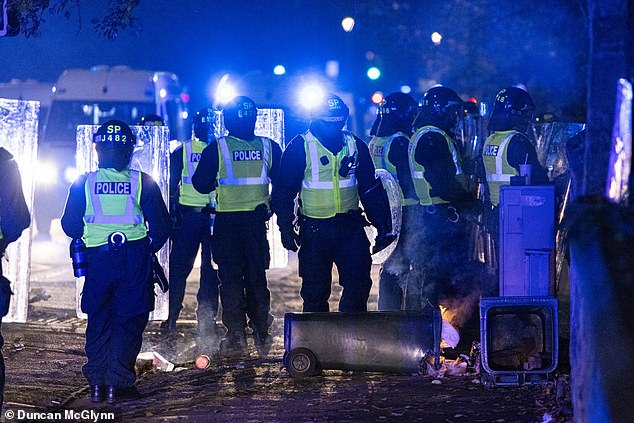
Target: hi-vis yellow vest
[496, 164]
[418, 171]
[191, 156]
[380, 153]
[113, 204]
[243, 173]
[324, 192]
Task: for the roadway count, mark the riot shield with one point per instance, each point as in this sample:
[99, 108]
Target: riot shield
[18, 135]
[270, 124]
[151, 155]
[394, 196]
[550, 142]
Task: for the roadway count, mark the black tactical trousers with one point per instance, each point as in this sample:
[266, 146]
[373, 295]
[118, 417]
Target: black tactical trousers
[342, 241]
[241, 251]
[117, 297]
[192, 234]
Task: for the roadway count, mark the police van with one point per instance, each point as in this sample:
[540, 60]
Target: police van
[91, 97]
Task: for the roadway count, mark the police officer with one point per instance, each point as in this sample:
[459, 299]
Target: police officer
[388, 147]
[120, 215]
[14, 218]
[505, 149]
[152, 120]
[242, 166]
[331, 170]
[436, 169]
[191, 211]
[508, 146]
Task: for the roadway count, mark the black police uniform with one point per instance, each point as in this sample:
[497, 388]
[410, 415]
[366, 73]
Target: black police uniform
[443, 260]
[340, 239]
[241, 251]
[192, 231]
[14, 218]
[118, 291]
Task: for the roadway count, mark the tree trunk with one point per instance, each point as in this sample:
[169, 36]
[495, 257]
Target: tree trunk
[608, 38]
[601, 239]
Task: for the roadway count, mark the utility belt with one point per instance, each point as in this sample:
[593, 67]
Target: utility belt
[117, 242]
[193, 209]
[261, 213]
[446, 212]
[344, 218]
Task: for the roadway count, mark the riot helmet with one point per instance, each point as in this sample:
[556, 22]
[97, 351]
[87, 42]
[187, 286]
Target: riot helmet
[239, 116]
[203, 124]
[440, 107]
[152, 120]
[114, 143]
[395, 113]
[513, 109]
[329, 116]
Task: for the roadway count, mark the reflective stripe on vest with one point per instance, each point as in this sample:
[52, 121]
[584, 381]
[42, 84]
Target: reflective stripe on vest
[418, 171]
[498, 170]
[115, 208]
[380, 152]
[247, 186]
[188, 195]
[324, 192]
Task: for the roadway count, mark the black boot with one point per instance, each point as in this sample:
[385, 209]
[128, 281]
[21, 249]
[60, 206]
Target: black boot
[168, 325]
[98, 393]
[122, 394]
[234, 342]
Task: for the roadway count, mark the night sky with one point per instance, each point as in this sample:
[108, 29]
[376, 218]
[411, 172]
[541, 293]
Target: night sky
[195, 39]
[486, 45]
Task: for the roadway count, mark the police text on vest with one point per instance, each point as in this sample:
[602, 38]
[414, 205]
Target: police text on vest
[246, 155]
[113, 188]
[491, 150]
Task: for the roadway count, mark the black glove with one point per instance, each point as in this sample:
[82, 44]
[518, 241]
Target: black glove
[263, 212]
[382, 241]
[290, 238]
[177, 218]
[5, 296]
[158, 275]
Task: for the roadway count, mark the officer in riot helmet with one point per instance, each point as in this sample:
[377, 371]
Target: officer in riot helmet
[241, 167]
[191, 212]
[151, 120]
[14, 218]
[120, 216]
[329, 170]
[388, 147]
[508, 146]
[436, 169]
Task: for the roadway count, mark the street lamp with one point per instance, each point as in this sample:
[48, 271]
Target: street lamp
[374, 73]
[347, 24]
[436, 38]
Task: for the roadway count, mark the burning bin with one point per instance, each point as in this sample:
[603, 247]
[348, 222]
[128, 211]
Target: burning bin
[519, 339]
[374, 341]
